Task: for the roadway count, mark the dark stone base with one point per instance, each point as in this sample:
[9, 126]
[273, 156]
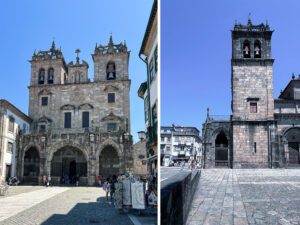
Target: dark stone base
[246, 165]
[176, 197]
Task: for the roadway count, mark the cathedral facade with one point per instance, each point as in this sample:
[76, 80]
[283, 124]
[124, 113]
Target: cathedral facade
[80, 128]
[262, 131]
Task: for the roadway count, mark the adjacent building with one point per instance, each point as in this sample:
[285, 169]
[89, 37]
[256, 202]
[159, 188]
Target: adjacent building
[80, 127]
[261, 132]
[13, 123]
[180, 143]
[140, 159]
[149, 89]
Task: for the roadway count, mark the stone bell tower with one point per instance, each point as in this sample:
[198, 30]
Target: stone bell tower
[252, 95]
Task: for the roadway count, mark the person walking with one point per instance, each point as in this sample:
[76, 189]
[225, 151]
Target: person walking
[113, 188]
[77, 180]
[45, 180]
[106, 188]
[48, 181]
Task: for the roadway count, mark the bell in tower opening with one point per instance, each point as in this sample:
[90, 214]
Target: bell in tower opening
[246, 49]
[111, 71]
[257, 50]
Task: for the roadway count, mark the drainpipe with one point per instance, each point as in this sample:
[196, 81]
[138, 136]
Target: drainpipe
[1, 145]
[148, 89]
[149, 102]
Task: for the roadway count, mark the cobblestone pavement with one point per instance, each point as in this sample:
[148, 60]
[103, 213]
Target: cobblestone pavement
[260, 196]
[15, 190]
[75, 206]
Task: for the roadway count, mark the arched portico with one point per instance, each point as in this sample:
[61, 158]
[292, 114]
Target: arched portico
[66, 162]
[291, 140]
[31, 164]
[220, 141]
[108, 159]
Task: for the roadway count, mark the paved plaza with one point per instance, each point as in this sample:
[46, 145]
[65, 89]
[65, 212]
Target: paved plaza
[260, 196]
[25, 205]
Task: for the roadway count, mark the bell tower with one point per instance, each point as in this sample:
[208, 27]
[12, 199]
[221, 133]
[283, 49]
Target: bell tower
[252, 94]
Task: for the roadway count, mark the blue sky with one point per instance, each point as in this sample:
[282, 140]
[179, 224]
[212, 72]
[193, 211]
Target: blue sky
[196, 53]
[29, 25]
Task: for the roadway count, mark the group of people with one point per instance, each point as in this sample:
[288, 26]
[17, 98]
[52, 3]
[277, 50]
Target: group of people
[109, 187]
[65, 179]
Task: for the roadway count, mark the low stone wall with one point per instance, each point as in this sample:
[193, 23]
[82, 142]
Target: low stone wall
[176, 197]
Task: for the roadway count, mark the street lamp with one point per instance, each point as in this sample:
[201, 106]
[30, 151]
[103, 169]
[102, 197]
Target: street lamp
[142, 135]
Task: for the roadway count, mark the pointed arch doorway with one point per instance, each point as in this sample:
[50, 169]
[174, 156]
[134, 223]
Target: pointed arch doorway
[221, 150]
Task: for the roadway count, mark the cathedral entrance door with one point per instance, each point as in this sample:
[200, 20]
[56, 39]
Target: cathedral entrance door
[294, 152]
[72, 171]
[67, 169]
[221, 150]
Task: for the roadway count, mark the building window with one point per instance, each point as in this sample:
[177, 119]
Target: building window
[257, 49]
[85, 119]
[168, 148]
[146, 108]
[41, 76]
[111, 71]
[253, 107]
[177, 139]
[111, 97]
[111, 127]
[162, 139]
[246, 49]
[42, 128]
[168, 139]
[254, 147]
[155, 59]
[151, 70]
[9, 147]
[50, 76]
[44, 101]
[11, 125]
[154, 115]
[24, 128]
[68, 117]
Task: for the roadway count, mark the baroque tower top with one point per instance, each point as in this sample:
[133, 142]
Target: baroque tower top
[251, 41]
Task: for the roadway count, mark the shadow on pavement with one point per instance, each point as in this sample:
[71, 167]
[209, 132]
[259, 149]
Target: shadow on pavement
[98, 212]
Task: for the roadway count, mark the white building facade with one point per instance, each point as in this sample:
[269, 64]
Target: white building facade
[12, 122]
[180, 143]
[148, 89]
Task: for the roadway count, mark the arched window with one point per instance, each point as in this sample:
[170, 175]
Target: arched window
[42, 76]
[50, 76]
[111, 71]
[246, 49]
[257, 49]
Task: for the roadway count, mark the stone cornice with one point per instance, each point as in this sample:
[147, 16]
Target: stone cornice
[252, 62]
